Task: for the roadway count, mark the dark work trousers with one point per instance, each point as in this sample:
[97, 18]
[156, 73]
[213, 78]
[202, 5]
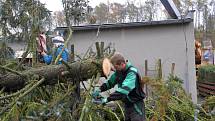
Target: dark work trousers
[132, 115]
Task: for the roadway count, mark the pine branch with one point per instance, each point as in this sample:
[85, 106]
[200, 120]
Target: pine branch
[10, 70]
[22, 95]
[17, 93]
[65, 45]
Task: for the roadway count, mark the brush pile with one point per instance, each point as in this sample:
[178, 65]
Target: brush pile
[53, 93]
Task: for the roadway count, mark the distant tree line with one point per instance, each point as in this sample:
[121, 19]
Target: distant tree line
[79, 12]
[131, 11]
[204, 17]
[17, 16]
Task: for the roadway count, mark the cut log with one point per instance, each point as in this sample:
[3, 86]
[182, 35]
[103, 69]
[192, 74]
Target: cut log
[80, 71]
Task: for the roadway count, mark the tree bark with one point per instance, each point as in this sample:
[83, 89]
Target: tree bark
[80, 71]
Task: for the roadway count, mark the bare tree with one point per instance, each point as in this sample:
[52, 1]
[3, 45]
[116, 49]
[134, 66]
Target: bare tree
[150, 9]
[132, 11]
[59, 18]
[117, 12]
[101, 13]
[75, 11]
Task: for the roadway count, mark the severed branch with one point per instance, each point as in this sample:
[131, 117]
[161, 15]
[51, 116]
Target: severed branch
[22, 95]
[86, 69]
[18, 92]
[10, 70]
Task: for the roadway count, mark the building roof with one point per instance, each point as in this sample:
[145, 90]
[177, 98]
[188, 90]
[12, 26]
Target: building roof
[128, 25]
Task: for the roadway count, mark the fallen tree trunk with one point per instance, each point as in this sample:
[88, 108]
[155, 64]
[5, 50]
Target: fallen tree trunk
[80, 71]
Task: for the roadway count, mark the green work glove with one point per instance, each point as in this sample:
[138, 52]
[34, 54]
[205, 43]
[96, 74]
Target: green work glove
[96, 93]
[104, 101]
[101, 100]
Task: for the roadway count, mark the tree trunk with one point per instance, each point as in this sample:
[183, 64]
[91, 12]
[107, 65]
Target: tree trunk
[80, 71]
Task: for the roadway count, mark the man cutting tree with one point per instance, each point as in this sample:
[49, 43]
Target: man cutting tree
[129, 89]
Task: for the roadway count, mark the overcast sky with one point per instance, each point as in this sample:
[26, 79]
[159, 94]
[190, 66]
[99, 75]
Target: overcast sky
[56, 5]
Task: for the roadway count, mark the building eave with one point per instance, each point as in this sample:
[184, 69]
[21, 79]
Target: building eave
[128, 25]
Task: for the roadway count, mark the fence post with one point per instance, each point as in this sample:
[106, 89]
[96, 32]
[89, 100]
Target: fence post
[159, 69]
[173, 69]
[146, 74]
[72, 53]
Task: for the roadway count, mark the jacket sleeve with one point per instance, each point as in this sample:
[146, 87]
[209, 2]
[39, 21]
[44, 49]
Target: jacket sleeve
[65, 55]
[110, 83]
[47, 59]
[127, 86]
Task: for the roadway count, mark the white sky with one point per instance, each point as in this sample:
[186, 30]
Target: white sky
[56, 5]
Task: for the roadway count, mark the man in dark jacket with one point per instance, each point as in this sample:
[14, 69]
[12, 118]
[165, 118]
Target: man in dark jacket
[129, 90]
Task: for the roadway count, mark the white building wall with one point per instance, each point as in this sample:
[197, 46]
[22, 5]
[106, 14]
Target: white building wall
[170, 43]
[17, 46]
